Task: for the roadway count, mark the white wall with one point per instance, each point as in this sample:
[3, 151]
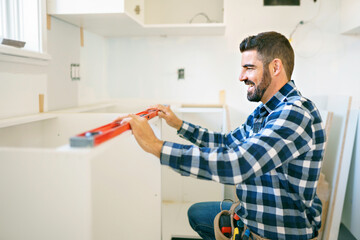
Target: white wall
[62, 92]
[20, 91]
[22, 83]
[93, 87]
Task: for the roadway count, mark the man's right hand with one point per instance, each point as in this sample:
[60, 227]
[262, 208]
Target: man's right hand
[169, 116]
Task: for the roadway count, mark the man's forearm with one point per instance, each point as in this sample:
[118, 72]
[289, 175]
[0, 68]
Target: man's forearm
[156, 147]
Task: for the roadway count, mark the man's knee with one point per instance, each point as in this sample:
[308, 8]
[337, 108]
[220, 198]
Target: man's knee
[203, 212]
[193, 212]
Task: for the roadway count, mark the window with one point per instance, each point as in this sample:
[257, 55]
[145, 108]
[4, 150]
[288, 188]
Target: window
[23, 20]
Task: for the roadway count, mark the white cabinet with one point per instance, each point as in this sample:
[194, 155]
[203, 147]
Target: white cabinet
[52, 191]
[350, 17]
[84, 6]
[111, 18]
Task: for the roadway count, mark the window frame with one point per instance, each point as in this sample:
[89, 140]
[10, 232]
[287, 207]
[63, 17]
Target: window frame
[11, 54]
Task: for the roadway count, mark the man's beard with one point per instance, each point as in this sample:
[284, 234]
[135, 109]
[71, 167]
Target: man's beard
[259, 91]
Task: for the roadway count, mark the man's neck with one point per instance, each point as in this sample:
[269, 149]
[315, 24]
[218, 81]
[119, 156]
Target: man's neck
[274, 87]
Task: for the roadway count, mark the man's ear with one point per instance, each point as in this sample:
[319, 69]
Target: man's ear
[276, 67]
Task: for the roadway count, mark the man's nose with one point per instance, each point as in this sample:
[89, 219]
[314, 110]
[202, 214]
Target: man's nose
[242, 77]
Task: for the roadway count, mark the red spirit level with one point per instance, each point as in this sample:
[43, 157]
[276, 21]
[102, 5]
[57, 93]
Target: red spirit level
[101, 134]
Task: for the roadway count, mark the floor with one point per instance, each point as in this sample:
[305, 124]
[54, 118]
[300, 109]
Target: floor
[344, 233]
[175, 224]
[185, 238]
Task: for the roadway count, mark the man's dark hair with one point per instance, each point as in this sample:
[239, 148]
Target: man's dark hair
[271, 45]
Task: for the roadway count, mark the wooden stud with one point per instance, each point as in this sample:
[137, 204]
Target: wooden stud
[222, 98]
[48, 22]
[41, 103]
[81, 36]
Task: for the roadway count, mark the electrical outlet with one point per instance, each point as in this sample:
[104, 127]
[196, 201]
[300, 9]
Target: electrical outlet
[75, 72]
[181, 73]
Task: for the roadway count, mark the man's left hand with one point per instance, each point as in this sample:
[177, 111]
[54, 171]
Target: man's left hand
[143, 134]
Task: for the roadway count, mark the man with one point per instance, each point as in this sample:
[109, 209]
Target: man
[274, 159]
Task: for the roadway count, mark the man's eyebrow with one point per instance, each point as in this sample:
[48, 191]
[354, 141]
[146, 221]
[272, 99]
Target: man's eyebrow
[248, 65]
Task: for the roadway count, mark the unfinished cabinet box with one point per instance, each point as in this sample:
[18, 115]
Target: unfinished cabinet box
[111, 18]
[190, 189]
[179, 192]
[51, 191]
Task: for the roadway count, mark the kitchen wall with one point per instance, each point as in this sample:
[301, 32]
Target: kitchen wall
[147, 67]
[21, 83]
[93, 87]
[62, 92]
[20, 88]
[64, 47]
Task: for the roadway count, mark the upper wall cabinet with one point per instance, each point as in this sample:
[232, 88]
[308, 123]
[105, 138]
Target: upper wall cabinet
[350, 17]
[113, 18]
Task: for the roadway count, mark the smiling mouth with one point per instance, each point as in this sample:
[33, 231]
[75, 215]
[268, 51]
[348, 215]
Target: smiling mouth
[250, 84]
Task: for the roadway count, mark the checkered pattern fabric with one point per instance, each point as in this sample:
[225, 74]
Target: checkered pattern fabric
[274, 159]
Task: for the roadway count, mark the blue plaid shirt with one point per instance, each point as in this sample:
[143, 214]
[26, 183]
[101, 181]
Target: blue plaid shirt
[274, 159]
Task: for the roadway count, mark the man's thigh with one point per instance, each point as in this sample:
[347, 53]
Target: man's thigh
[203, 213]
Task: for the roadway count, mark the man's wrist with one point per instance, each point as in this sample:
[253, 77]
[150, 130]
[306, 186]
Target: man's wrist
[179, 125]
[157, 148]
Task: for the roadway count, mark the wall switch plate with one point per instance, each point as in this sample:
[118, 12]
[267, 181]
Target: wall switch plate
[181, 73]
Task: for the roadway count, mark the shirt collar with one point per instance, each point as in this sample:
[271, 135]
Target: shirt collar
[275, 100]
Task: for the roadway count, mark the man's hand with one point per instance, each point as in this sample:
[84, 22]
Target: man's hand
[169, 116]
[143, 134]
